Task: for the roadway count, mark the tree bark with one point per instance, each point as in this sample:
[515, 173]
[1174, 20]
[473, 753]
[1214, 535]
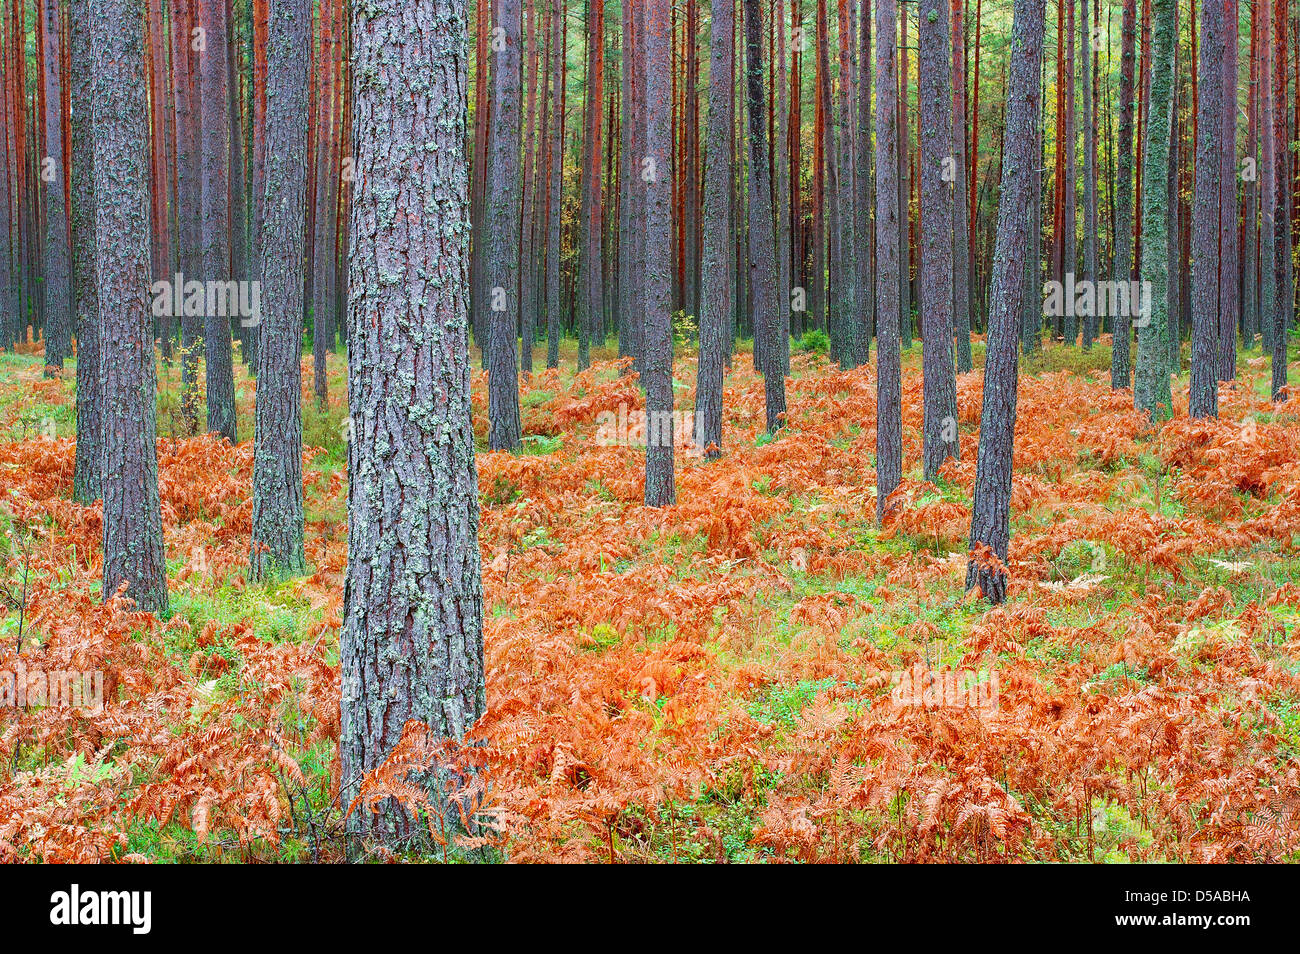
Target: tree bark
[1203, 399]
[1121, 324]
[411, 647]
[762, 239]
[1151, 391]
[715, 304]
[56, 248]
[961, 276]
[656, 182]
[215, 123]
[940, 387]
[889, 398]
[991, 512]
[133, 539]
[277, 546]
[86, 485]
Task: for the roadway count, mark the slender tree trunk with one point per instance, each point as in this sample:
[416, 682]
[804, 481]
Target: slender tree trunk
[961, 277]
[1203, 399]
[414, 589]
[936, 238]
[1282, 275]
[762, 239]
[889, 398]
[656, 182]
[590, 304]
[905, 185]
[1151, 391]
[1121, 330]
[215, 123]
[716, 305]
[991, 512]
[133, 539]
[501, 264]
[866, 182]
[57, 257]
[555, 169]
[1087, 37]
[1229, 237]
[277, 546]
[86, 480]
[322, 257]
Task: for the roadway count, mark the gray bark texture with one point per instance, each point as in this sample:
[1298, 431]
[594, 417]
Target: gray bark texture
[412, 641]
[215, 113]
[715, 303]
[1203, 399]
[936, 239]
[889, 395]
[501, 263]
[277, 546]
[86, 485]
[1151, 383]
[991, 513]
[767, 315]
[133, 540]
[657, 367]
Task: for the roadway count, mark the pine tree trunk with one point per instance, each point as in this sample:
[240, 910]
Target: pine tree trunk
[56, 259]
[991, 512]
[1284, 297]
[322, 232]
[1203, 398]
[904, 186]
[277, 546]
[656, 183]
[762, 238]
[1151, 387]
[866, 183]
[86, 479]
[936, 238]
[133, 539]
[961, 277]
[215, 124]
[501, 263]
[1091, 325]
[590, 316]
[1121, 324]
[889, 398]
[555, 168]
[715, 304]
[1229, 237]
[413, 592]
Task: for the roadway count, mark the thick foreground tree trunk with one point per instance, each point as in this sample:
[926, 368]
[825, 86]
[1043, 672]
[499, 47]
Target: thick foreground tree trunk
[991, 515]
[133, 540]
[277, 437]
[412, 640]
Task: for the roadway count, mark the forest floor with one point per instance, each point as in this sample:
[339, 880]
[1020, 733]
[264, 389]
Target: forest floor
[757, 673]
